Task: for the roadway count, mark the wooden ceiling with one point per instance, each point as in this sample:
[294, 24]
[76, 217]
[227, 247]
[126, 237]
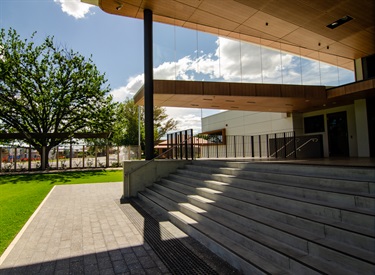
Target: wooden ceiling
[295, 26]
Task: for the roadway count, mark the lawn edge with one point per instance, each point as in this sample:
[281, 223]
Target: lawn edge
[18, 236]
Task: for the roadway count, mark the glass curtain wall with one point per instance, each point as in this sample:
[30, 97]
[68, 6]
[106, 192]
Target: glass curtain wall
[186, 54]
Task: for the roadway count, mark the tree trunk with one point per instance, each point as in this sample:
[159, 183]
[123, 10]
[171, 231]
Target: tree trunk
[43, 152]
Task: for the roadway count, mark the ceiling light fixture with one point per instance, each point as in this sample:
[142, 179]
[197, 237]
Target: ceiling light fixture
[119, 7]
[339, 22]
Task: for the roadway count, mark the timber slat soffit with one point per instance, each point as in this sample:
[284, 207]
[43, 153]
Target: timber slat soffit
[253, 96]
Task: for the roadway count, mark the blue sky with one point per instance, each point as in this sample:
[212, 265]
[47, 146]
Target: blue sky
[116, 46]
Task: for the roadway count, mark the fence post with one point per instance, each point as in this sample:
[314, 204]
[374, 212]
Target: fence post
[243, 146]
[235, 147]
[267, 145]
[252, 146]
[180, 145]
[57, 157]
[29, 159]
[186, 146]
[284, 145]
[1, 159]
[226, 148]
[192, 144]
[71, 154]
[107, 156]
[96, 156]
[176, 139]
[83, 156]
[294, 144]
[275, 146]
[260, 145]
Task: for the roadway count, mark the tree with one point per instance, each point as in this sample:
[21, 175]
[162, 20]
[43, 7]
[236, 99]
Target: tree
[126, 129]
[46, 89]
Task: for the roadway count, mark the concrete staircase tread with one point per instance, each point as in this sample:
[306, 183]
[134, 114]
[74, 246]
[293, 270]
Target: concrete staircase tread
[220, 171]
[286, 184]
[299, 232]
[353, 228]
[295, 197]
[260, 219]
[242, 252]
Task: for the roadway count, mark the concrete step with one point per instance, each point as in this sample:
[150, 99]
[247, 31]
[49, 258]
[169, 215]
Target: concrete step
[270, 249]
[289, 224]
[366, 174]
[294, 216]
[353, 200]
[265, 222]
[357, 217]
[354, 187]
[360, 246]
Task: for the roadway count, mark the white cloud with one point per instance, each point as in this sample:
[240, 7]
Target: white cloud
[128, 91]
[75, 8]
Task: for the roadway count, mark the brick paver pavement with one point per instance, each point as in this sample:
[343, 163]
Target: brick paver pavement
[80, 229]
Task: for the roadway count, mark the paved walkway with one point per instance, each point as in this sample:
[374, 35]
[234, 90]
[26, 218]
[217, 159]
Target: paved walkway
[80, 229]
[83, 229]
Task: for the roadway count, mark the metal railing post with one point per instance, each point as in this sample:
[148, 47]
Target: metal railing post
[252, 147]
[275, 146]
[284, 145]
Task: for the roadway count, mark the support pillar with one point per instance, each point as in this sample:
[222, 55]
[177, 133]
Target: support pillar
[149, 85]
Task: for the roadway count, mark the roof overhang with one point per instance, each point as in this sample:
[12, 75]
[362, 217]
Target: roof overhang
[295, 26]
[254, 97]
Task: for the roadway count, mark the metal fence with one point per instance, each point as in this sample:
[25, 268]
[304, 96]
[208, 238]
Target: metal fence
[66, 156]
[276, 145]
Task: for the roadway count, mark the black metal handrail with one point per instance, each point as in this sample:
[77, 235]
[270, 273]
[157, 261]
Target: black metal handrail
[304, 144]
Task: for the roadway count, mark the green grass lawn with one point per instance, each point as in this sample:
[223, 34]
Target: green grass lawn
[20, 195]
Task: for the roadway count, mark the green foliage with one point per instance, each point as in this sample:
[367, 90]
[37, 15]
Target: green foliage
[21, 195]
[49, 89]
[125, 130]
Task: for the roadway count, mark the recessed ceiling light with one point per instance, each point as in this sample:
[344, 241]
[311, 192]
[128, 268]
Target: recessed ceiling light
[339, 22]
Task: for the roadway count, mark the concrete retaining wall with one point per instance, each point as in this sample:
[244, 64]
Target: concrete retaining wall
[138, 175]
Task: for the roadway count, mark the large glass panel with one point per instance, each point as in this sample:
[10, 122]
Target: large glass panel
[310, 72]
[230, 60]
[271, 66]
[345, 76]
[291, 68]
[186, 53]
[329, 74]
[207, 58]
[164, 51]
[251, 63]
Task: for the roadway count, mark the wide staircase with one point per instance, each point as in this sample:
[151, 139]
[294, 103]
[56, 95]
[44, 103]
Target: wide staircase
[274, 218]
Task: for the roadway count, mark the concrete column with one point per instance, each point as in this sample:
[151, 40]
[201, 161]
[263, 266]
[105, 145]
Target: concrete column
[149, 85]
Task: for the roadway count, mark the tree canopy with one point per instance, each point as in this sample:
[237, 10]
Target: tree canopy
[47, 88]
[125, 131]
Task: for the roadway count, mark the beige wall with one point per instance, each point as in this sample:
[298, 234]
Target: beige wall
[248, 123]
[255, 123]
